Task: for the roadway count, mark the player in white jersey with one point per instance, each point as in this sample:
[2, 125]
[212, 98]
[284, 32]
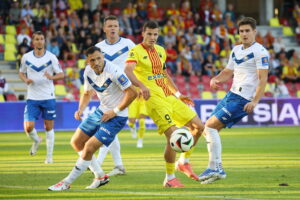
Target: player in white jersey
[115, 93]
[248, 64]
[39, 68]
[115, 49]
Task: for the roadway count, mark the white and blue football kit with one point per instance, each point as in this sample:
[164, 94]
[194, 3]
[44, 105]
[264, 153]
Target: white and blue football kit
[109, 87]
[245, 63]
[40, 93]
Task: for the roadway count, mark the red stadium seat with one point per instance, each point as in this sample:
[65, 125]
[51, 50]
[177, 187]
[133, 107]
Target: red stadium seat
[180, 80]
[297, 86]
[11, 97]
[194, 80]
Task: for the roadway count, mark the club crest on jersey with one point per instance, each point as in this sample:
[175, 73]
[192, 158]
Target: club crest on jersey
[265, 61]
[131, 54]
[160, 55]
[123, 79]
[145, 57]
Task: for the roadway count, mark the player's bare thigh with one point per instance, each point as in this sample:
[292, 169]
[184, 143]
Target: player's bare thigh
[79, 139]
[214, 122]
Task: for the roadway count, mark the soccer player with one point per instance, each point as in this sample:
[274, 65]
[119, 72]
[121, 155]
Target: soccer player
[146, 69]
[115, 92]
[115, 50]
[39, 68]
[248, 64]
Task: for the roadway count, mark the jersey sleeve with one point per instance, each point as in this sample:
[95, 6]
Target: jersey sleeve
[230, 63]
[130, 44]
[22, 65]
[120, 78]
[262, 58]
[133, 56]
[86, 84]
[56, 66]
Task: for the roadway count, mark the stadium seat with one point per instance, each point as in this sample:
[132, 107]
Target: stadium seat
[287, 31]
[10, 39]
[208, 30]
[9, 56]
[2, 99]
[194, 80]
[10, 29]
[297, 86]
[1, 48]
[207, 95]
[11, 97]
[81, 89]
[221, 94]
[81, 63]
[10, 48]
[274, 22]
[298, 93]
[180, 80]
[60, 90]
[2, 41]
[1, 56]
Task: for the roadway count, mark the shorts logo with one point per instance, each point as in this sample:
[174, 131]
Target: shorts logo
[50, 111]
[105, 130]
[265, 61]
[224, 118]
[103, 138]
[226, 111]
[123, 79]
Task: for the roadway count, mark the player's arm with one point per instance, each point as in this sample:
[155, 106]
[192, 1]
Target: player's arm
[129, 95]
[24, 78]
[176, 92]
[57, 76]
[129, 67]
[222, 77]
[83, 102]
[262, 82]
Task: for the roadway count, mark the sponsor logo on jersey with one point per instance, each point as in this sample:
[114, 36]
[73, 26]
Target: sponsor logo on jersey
[156, 76]
[123, 79]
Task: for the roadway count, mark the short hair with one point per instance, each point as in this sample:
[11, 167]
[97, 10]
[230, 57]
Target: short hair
[38, 33]
[110, 17]
[92, 49]
[247, 21]
[150, 24]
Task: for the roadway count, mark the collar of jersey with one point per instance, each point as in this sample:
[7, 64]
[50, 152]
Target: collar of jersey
[249, 46]
[40, 56]
[113, 43]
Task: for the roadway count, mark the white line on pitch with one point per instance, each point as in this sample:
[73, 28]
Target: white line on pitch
[134, 193]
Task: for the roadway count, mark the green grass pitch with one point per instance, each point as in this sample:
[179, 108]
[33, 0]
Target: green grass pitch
[256, 160]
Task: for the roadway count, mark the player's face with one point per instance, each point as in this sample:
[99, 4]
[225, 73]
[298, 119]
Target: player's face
[111, 28]
[96, 61]
[38, 41]
[247, 34]
[150, 36]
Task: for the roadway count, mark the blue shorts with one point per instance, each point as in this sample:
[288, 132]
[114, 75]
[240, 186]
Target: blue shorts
[34, 108]
[230, 109]
[105, 132]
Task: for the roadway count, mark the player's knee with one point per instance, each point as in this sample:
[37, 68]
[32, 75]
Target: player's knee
[28, 128]
[77, 146]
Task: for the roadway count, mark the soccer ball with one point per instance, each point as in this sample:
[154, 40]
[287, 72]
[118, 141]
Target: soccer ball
[181, 140]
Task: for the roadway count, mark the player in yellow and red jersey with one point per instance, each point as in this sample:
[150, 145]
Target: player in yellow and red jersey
[146, 68]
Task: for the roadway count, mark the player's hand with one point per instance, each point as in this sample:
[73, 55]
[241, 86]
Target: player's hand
[78, 114]
[28, 81]
[146, 92]
[48, 76]
[187, 100]
[108, 115]
[249, 107]
[215, 84]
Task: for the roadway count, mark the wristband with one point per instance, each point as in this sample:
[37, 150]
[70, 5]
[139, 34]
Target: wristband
[177, 94]
[116, 110]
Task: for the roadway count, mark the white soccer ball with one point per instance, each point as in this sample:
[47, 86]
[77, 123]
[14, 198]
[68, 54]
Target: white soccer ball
[181, 140]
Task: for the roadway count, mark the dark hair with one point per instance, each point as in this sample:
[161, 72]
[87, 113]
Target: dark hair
[92, 49]
[150, 24]
[110, 17]
[247, 21]
[38, 33]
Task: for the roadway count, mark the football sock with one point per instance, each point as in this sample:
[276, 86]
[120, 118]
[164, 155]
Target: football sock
[50, 142]
[115, 150]
[80, 166]
[170, 170]
[214, 147]
[102, 154]
[131, 125]
[33, 135]
[185, 157]
[94, 166]
[142, 128]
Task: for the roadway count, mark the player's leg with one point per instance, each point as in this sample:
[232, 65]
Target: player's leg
[31, 113]
[141, 131]
[132, 115]
[115, 149]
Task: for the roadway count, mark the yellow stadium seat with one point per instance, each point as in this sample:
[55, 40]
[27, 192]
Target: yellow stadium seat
[2, 41]
[208, 30]
[9, 56]
[75, 4]
[2, 98]
[207, 95]
[221, 94]
[10, 29]
[10, 39]
[298, 93]
[10, 48]
[81, 63]
[287, 31]
[60, 90]
[274, 22]
[81, 89]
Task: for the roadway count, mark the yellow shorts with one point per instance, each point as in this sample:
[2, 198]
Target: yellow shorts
[137, 108]
[168, 111]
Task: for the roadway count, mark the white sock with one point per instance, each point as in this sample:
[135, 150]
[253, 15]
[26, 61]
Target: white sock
[33, 135]
[80, 167]
[170, 176]
[94, 166]
[214, 147]
[102, 154]
[50, 142]
[115, 150]
[183, 160]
